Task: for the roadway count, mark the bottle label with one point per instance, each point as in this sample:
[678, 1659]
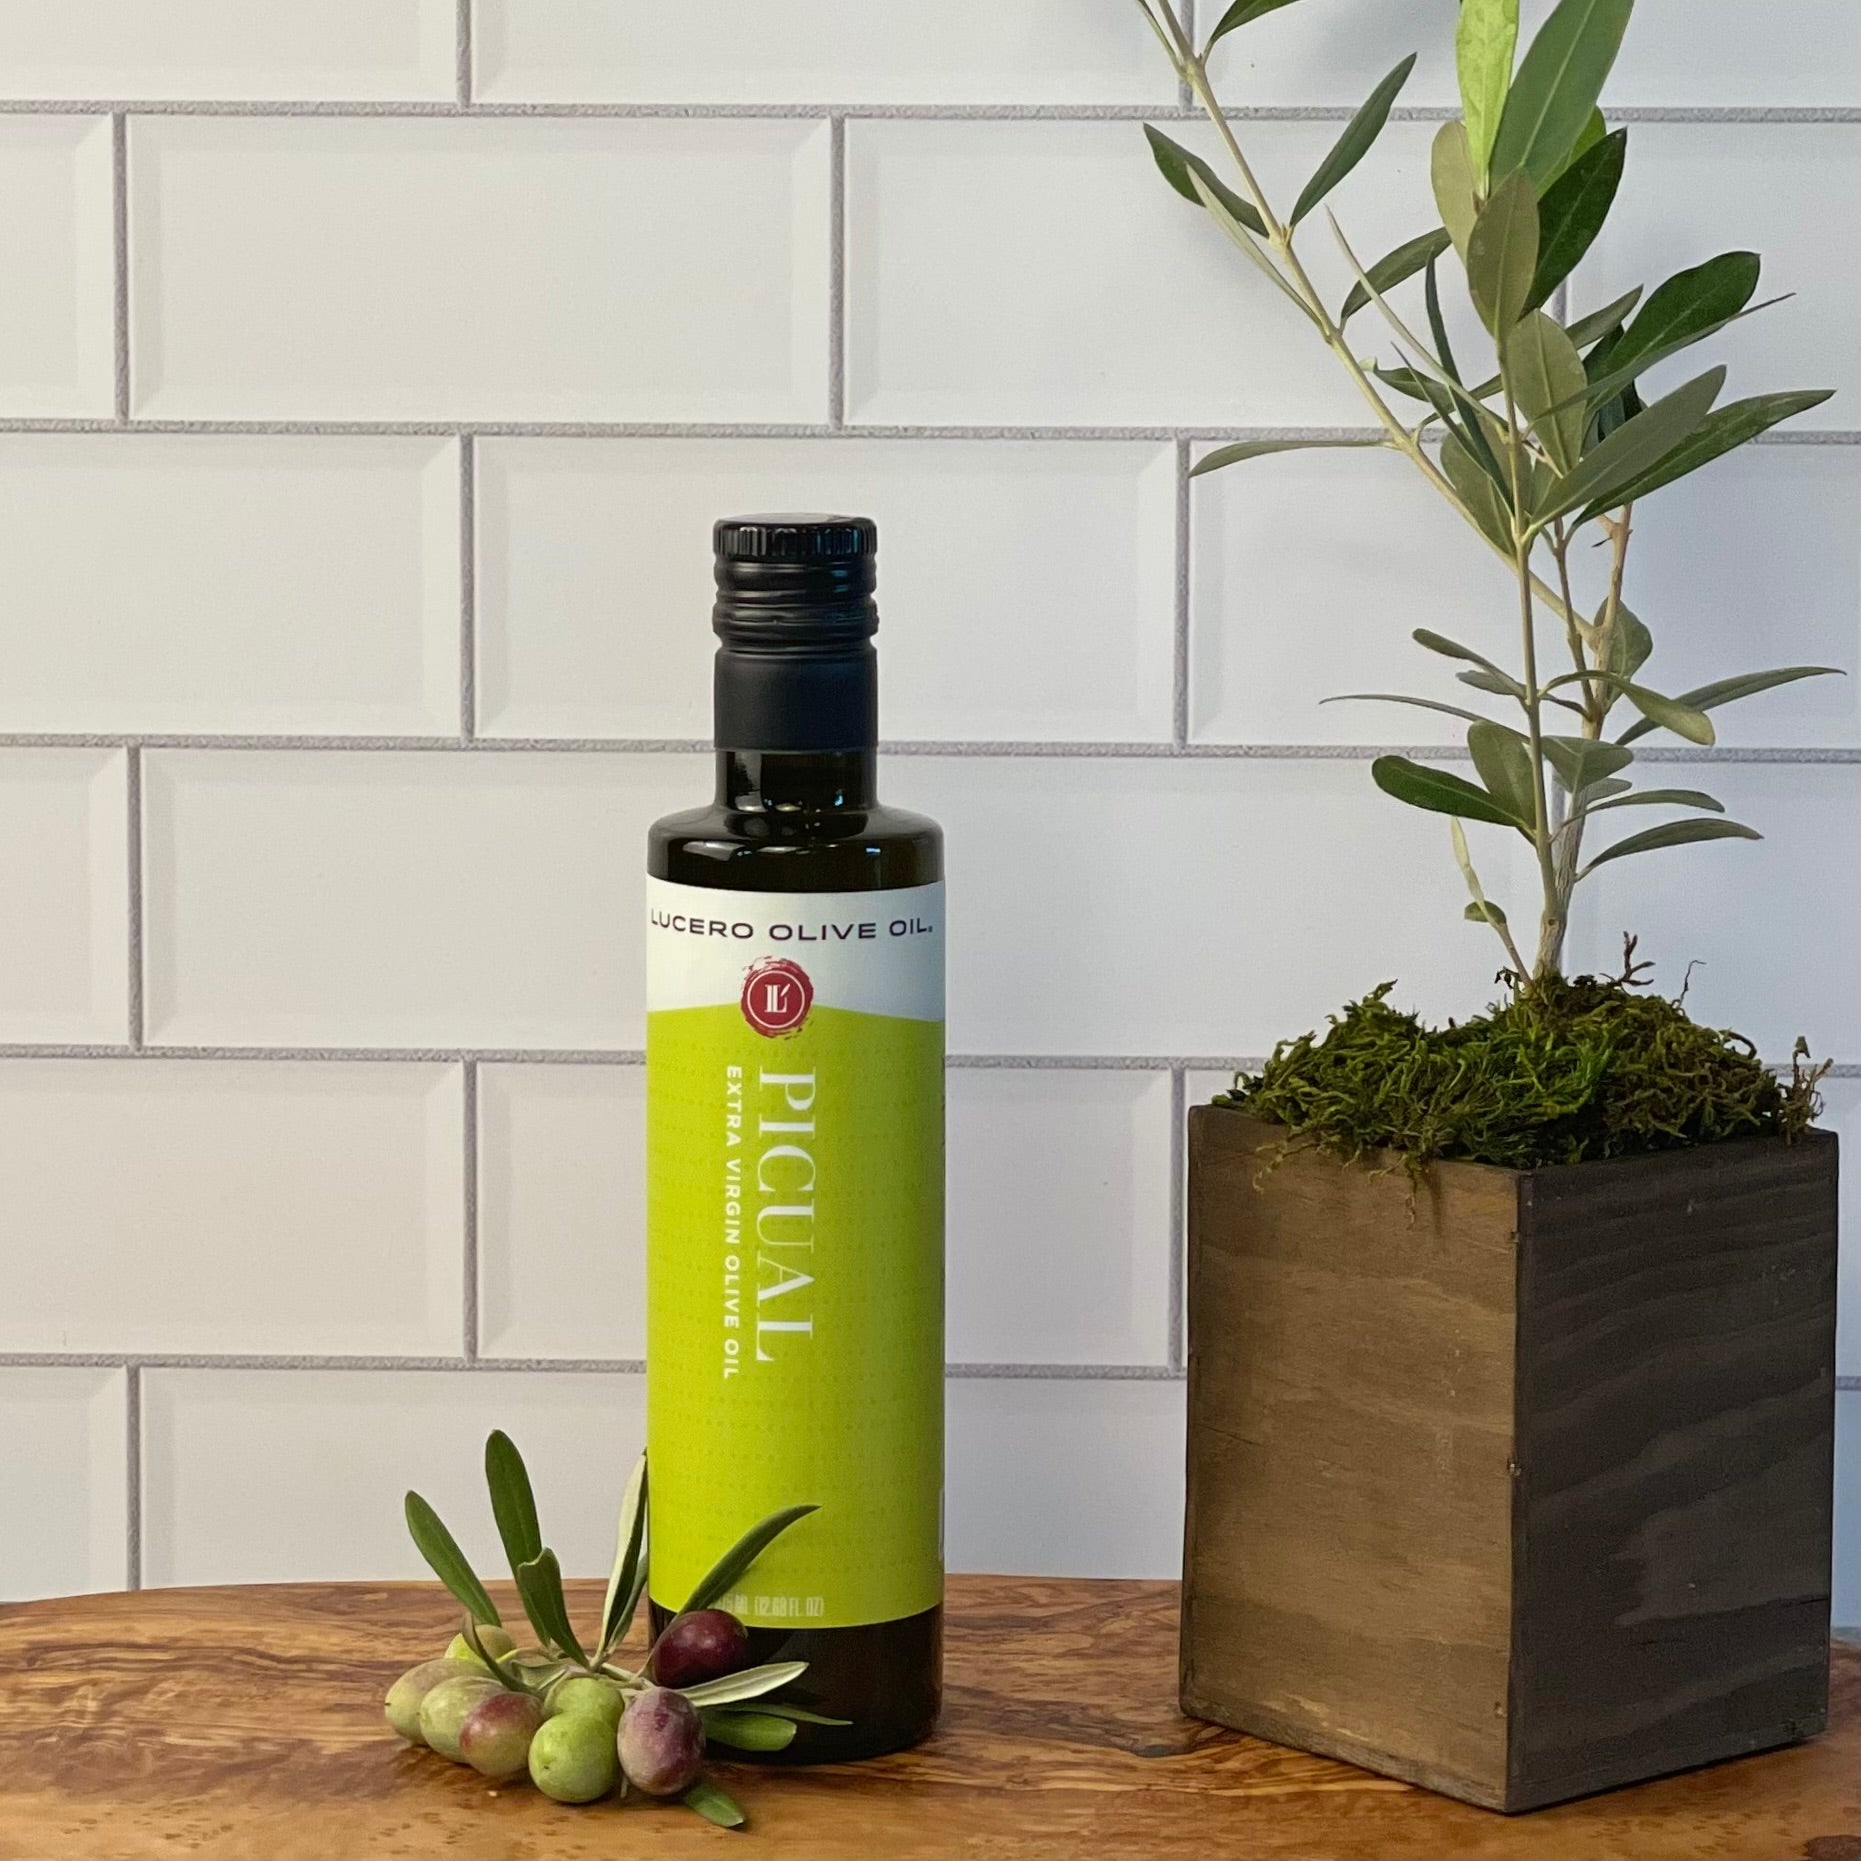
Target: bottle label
[794, 1068]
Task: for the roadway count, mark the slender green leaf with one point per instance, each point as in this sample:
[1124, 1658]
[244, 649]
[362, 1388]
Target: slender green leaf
[1631, 645]
[1559, 80]
[1499, 682]
[1671, 833]
[1484, 44]
[539, 1583]
[1241, 13]
[1579, 762]
[722, 1575]
[1407, 381]
[749, 1684]
[712, 1801]
[1591, 794]
[513, 1503]
[1659, 798]
[1548, 382]
[1730, 690]
[1178, 165]
[748, 1731]
[1450, 649]
[1262, 448]
[1723, 431]
[1456, 192]
[627, 1577]
[1504, 762]
[1476, 489]
[1437, 324]
[441, 1549]
[1395, 697]
[1604, 322]
[1351, 147]
[1391, 269]
[1572, 212]
[1688, 306]
[1422, 785]
[1502, 254]
[1670, 713]
[1243, 239]
[1631, 449]
[1484, 911]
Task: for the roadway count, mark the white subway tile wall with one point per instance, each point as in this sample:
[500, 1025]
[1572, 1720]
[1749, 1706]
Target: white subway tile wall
[370, 374]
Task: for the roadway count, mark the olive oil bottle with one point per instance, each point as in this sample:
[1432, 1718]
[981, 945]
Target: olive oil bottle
[794, 1058]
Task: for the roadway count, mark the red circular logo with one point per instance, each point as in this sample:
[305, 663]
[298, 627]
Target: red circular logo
[777, 996]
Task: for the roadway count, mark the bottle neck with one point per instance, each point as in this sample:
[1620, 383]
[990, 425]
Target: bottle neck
[808, 781]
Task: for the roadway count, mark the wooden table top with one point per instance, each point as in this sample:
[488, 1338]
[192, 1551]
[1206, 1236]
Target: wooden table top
[247, 1722]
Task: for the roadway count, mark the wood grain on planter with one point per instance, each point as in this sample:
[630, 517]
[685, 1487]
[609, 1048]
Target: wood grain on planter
[1516, 1485]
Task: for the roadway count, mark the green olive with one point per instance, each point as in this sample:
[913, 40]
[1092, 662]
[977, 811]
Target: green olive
[572, 1757]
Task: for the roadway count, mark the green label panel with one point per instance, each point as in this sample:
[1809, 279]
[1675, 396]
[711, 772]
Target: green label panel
[795, 1303]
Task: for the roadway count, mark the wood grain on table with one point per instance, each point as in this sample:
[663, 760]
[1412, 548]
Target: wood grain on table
[247, 1722]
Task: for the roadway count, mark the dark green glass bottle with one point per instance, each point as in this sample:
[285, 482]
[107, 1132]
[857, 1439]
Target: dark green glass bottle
[795, 1153]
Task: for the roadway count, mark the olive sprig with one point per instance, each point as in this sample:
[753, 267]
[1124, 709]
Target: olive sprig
[493, 1704]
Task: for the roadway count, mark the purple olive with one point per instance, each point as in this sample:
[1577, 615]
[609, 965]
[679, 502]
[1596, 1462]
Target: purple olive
[704, 1645]
[661, 1742]
[495, 1737]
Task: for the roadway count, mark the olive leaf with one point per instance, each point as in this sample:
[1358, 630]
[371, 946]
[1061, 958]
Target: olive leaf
[1690, 305]
[748, 1731]
[1572, 212]
[1559, 79]
[710, 1800]
[1503, 759]
[1581, 762]
[1548, 381]
[1671, 833]
[722, 1575]
[1438, 790]
[1659, 798]
[750, 1683]
[1393, 268]
[1437, 325]
[1484, 43]
[441, 1550]
[1351, 147]
[1241, 13]
[1396, 697]
[1604, 322]
[1723, 431]
[1502, 254]
[781, 1709]
[1674, 714]
[1456, 189]
[1632, 448]
[1592, 132]
[1177, 165]
[1730, 690]
[1631, 645]
[539, 1583]
[509, 1677]
[1262, 448]
[1477, 491]
[513, 1503]
[628, 1578]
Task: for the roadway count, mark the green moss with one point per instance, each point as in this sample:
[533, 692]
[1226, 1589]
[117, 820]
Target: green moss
[1570, 1072]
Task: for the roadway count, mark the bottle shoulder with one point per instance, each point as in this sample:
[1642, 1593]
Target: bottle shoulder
[857, 849]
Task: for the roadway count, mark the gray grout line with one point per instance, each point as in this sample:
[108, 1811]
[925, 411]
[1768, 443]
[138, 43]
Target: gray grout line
[1179, 650]
[132, 808]
[132, 1473]
[836, 273]
[468, 586]
[811, 110]
[468, 1274]
[1848, 1382]
[462, 55]
[633, 1056]
[1060, 749]
[1085, 432]
[1179, 1176]
[119, 219]
[520, 1366]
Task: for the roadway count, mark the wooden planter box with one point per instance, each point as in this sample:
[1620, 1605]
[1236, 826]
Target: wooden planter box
[1521, 1493]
